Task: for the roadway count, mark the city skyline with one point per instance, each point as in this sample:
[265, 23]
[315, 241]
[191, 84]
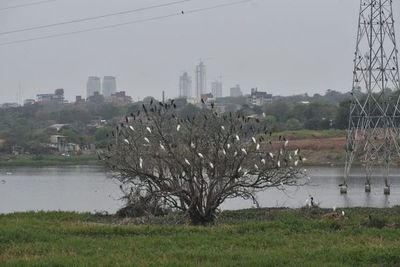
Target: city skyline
[282, 60]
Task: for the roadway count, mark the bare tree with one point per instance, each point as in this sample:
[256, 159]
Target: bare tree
[195, 163]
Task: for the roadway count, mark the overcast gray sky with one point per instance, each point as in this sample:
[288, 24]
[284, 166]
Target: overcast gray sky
[281, 46]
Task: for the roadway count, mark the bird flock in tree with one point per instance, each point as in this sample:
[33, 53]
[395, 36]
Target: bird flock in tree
[196, 162]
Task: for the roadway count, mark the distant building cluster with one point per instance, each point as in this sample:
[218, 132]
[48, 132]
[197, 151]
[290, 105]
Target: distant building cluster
[107, 87]
[104, 90]
[97, 90]
[213, 93]
[56, 98]
[258, 98]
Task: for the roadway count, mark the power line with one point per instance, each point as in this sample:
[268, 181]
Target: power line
[94, 18]
[127, 23]
[28, 4]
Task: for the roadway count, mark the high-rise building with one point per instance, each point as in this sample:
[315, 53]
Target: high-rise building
[109, 86]
[216, 88]
[236, 91]
[93, 85]
[185, 86]
[201, 81]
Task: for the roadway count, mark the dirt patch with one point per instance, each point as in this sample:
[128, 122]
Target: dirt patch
[337, 144]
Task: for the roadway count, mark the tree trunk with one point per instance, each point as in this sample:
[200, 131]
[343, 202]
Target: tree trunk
[199, 218]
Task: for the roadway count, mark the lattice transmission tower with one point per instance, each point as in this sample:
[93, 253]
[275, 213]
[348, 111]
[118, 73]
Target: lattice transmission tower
[373, 134]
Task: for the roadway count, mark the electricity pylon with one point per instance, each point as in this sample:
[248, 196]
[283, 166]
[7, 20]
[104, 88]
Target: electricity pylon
[373, 133]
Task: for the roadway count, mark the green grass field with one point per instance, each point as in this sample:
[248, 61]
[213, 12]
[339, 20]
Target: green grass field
[242, 238]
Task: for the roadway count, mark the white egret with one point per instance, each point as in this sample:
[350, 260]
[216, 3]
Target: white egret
[192, 145]
[147, 140]
[224, 152]
[162, 146]
[296, 163]
[244, 151]
[258, 147]
[148, 129]
[263, 161]
[279, 164]
[132, 129]
[237, 137]
[228, 146]
[141, 163]
[271, 155]
[200, 155]
[254, 140]
[178, 127]
[286, 143]
[211, 165]
[126, 141]
[223, 128]
[255, 166]
[187, 162]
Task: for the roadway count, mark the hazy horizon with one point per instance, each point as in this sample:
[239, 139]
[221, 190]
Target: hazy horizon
[283, 47]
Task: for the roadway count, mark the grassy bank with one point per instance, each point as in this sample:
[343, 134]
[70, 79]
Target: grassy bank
[48, 160]
[274, 237]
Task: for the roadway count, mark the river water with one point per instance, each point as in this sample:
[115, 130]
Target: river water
[87, 189]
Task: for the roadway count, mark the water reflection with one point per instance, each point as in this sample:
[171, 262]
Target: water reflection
[87, 189]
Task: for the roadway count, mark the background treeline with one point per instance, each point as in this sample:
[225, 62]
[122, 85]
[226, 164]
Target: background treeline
[27, 127]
